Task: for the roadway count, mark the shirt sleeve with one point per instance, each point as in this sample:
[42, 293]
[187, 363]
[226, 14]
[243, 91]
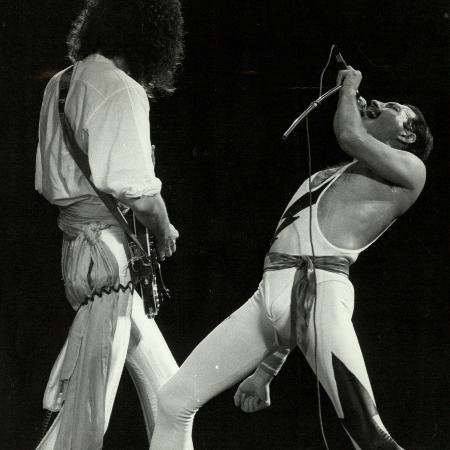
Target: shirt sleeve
[119, 147]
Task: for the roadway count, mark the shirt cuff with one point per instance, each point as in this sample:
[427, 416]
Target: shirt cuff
[137, 191]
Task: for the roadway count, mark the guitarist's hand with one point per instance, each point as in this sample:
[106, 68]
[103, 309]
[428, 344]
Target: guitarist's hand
[166, 246]
[151, 212]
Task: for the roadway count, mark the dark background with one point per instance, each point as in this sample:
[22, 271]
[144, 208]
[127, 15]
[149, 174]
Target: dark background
[251, 67]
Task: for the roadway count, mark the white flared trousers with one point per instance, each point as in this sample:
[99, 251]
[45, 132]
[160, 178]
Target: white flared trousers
[137, 343]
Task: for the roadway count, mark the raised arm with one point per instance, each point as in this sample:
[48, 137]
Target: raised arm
[376, 140]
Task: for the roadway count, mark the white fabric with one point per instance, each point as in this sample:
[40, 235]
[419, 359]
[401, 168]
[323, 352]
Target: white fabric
[139, 344]
[109, 113]
[296, 233]
[235, 347]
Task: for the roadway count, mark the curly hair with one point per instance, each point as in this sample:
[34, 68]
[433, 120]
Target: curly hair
[147, 33]
[423, 144]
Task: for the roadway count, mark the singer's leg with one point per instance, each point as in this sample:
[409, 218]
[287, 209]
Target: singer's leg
[149, 361]
[223, 358]
[340, 365]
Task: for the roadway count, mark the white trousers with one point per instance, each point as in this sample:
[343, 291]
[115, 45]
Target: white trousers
[138, 344]
[239, 343]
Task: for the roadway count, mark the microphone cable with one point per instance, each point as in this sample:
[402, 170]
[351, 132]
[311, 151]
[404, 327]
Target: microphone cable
[325, 68]
[319, 400]
[308, 140]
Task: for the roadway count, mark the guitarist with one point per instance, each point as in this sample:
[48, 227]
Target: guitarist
[122, 51]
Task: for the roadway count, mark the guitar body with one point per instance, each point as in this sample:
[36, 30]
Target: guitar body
[145, 269]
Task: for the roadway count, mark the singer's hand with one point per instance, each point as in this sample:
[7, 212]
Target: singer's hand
[349, 78]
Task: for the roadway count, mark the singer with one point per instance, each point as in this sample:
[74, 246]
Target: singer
[122, 50]
[305, 297]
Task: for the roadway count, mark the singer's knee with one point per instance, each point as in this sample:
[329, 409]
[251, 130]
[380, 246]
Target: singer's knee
[174, 405]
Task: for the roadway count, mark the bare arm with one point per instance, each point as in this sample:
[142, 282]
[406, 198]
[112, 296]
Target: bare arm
[398, 167]
[253, 394]
[151, 212]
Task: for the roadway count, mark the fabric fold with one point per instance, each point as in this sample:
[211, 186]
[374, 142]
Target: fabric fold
[303, 294]
[93, 288]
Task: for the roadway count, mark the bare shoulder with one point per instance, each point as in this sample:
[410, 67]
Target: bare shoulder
[417, 171]
[325, 174]
[406, 196]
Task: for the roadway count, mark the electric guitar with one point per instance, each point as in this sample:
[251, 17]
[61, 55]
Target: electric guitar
[144, 267]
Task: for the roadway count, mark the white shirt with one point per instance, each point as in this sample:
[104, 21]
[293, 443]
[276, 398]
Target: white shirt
[109, 114]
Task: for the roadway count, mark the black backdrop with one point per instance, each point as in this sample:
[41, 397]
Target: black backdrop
[251, 67]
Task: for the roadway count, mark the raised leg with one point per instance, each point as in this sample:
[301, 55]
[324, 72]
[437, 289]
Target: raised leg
[223, 358]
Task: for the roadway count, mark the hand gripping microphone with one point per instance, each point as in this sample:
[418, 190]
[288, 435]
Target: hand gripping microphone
[362, 104]
[313, 105]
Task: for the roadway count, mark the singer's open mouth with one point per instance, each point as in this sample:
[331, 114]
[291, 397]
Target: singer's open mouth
[372, 113]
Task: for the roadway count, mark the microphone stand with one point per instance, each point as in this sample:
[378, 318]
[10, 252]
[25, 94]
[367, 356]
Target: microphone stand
[310, 108]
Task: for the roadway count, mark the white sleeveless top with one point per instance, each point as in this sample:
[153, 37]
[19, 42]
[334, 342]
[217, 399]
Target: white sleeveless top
[292, 235]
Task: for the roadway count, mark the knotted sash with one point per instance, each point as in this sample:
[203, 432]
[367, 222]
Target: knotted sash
[303, 294]
[88, 266]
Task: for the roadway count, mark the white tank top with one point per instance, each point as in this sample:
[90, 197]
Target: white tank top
[292, 235]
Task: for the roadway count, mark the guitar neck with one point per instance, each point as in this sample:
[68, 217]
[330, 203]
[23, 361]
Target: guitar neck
[142, 233]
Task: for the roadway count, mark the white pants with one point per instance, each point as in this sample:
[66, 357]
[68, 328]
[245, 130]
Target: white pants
[138, 344]
[239, 343]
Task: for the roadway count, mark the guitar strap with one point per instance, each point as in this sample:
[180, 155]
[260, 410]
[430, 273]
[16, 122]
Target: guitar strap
[82, 159]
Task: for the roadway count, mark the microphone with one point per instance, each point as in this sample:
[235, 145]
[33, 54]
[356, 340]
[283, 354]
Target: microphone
[362, 104]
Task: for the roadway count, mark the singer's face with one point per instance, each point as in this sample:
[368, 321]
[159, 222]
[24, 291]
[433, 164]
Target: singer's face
[385, 121]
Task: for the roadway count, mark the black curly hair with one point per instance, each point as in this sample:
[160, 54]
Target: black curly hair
[147, 33]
